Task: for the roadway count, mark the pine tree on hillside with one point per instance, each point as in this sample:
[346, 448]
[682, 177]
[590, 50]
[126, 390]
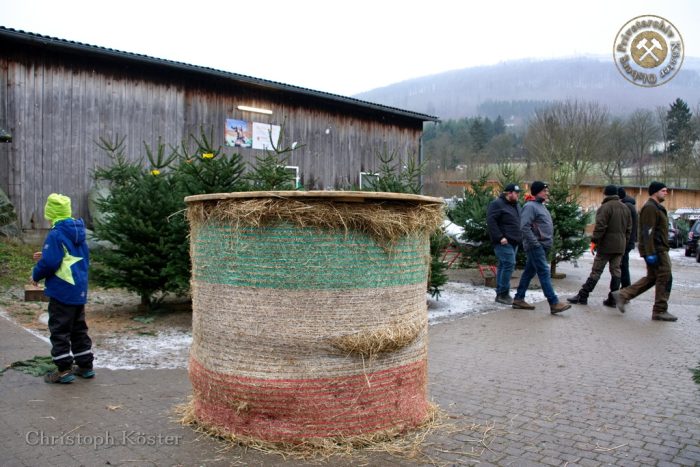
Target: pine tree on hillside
[681, 134]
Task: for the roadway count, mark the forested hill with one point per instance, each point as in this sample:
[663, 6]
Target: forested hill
[515, 88]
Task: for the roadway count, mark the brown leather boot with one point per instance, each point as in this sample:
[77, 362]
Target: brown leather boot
[522, 305]
[558, 308]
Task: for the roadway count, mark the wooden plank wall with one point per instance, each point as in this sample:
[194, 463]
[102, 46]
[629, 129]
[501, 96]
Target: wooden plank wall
[4, 147]
[58, 111]
[591, 196]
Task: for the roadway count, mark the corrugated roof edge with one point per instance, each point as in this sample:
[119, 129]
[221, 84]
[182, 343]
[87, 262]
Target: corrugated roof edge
[34, 37]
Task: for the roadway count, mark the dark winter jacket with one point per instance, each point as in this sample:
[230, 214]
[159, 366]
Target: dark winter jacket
[632, 205]
[503, 220]
[64, 263]
[613, 225]
[653, 228]
[536, 225]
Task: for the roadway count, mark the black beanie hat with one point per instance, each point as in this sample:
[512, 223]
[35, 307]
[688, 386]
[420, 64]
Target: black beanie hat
[655, 186]
[621, 193]
[610, 190]
[537, 186]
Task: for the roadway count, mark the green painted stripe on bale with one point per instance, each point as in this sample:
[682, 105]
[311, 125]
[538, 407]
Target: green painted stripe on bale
[288, 257]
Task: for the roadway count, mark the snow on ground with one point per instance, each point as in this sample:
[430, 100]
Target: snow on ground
[458, 299]
[168, 349]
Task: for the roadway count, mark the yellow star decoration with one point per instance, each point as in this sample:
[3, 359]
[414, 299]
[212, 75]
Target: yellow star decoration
[64, 271]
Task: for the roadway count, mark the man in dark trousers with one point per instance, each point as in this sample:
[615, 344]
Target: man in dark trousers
[613, 224]
[625, 279]
[653, 247]
[538, 236]
[503, 220]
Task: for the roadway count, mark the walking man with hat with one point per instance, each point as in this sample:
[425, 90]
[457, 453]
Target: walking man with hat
[653, 247]
[538, 236]
[613, 225]
[503, 221]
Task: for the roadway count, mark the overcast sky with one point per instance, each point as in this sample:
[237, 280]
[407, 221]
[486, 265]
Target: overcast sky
[346, 47]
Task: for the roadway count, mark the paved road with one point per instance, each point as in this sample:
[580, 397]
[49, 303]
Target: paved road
[589, 387]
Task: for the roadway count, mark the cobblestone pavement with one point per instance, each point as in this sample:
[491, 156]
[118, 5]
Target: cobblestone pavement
[588, 387]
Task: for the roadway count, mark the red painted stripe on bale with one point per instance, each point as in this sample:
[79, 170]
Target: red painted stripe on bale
[291, 410]
[309, 388]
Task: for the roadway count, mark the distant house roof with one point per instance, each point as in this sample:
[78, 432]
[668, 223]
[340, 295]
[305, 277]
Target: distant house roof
[53, 43]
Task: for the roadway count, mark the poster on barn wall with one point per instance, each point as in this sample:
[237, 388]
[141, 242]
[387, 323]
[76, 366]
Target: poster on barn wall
[264, 134]
[238, 133]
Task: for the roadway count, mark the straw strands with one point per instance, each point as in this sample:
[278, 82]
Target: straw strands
[309, 314]
[385, 221]
[370, 343]
[399, 441]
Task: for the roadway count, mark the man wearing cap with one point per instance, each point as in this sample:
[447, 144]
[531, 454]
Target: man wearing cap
[538, 232]
[653, 247]
[503, 221]
[613, 225]
[63, 262]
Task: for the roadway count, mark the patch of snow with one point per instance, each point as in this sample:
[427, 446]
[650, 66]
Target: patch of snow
[453, 231]
[168, 349]
[459, 299]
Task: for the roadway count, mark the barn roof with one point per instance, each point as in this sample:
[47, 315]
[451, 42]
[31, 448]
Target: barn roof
[53, 43]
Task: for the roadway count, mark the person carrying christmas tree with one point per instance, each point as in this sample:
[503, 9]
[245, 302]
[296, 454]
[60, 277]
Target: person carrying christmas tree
[63, 263]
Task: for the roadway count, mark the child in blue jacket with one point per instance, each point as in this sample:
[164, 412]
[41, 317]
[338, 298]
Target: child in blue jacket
[63, 263]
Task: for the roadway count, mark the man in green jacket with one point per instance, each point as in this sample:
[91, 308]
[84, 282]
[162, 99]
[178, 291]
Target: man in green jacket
[653, 247]
[613, 225]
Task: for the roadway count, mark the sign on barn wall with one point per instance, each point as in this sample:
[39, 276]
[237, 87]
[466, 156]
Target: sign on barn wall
[265, 135]
[245, 134]
[238, 133]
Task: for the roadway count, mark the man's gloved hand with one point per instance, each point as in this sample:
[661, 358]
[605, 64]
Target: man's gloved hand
[594, 248]
[651, 260]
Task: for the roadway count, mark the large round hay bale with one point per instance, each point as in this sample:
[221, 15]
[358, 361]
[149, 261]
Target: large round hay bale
[309, 312]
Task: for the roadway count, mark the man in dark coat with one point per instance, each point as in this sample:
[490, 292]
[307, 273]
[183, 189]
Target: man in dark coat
[503, 221]
[613, 225]
[625, 279]
[653, 247]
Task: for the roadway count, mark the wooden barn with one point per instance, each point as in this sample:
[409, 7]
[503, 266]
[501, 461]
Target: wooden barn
[58, 98]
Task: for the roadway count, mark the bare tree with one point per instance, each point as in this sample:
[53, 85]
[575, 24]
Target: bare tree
[643, 133]
[617, 153]
[568, 135]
